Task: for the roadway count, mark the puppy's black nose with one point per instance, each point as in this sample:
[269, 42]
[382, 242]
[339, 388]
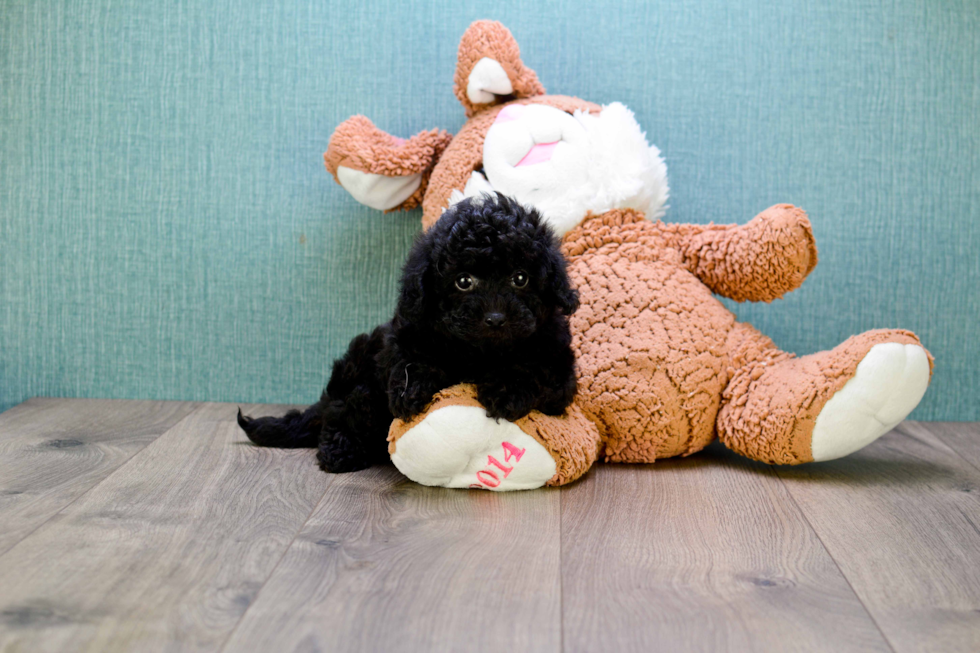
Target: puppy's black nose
[494, 320]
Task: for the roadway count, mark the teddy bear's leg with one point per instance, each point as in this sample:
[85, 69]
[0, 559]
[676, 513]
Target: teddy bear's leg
[786, 410]
[454, 444]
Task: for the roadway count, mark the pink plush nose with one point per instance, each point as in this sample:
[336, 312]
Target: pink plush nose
[538, 154]
[510, 112]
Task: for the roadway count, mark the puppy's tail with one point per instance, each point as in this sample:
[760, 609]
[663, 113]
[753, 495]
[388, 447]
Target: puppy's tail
[294, 430]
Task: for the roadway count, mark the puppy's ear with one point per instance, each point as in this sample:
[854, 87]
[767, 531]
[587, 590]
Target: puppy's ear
[415, 281]
[564, 296]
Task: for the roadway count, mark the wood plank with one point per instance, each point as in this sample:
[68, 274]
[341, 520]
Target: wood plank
[961, 437]
[54, 450]
[167, 552]
[902, 519]
[707, 553]
[388, 565]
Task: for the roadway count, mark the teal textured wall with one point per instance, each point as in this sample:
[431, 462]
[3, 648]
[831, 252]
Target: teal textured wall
[167, 228]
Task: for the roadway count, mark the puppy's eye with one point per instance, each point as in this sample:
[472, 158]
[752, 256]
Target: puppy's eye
[519, 280]
[465, 282]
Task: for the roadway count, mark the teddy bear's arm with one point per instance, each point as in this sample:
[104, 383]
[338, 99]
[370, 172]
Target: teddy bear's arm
[380, 170]
[759, 261]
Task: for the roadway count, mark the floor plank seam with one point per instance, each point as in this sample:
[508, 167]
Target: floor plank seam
[847, 580]
[275, 568]
[561, 573]
[903, 430]
[101, 481]
[952, 447]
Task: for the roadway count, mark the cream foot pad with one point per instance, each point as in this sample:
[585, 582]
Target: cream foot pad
[889, 382]
[460, 447]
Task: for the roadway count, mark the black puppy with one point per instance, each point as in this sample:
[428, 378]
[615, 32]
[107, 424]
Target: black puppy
[484, 299]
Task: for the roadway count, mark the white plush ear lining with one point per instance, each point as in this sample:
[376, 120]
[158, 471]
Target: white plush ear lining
[378, 191]
[477, 186]
[486, 81]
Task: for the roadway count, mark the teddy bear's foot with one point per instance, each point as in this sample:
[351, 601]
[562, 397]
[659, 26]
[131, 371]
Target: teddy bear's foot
[454, 444]
[889, 382]
[459, 446]
[785, 410]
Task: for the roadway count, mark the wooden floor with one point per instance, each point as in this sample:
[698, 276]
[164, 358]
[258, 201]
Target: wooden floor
[140, 525]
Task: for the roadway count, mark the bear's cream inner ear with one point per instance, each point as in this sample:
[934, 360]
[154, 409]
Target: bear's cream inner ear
[378, 191]
[487, 80]
[475, 187]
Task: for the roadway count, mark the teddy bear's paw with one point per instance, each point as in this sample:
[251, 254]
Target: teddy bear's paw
[460, 447]
[889, 382]
[380, 192]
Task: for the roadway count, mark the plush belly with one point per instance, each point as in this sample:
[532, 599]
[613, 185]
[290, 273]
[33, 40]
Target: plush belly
[650, 340]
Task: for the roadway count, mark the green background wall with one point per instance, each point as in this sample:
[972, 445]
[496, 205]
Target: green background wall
[167, 229]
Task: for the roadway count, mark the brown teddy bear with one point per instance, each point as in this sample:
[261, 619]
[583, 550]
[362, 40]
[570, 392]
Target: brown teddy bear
[663, 366]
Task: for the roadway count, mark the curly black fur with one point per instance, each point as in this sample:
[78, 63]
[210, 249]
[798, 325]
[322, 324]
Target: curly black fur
[484, 299]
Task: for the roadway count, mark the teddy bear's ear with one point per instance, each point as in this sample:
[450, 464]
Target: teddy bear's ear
[489, 69]
[380, 170]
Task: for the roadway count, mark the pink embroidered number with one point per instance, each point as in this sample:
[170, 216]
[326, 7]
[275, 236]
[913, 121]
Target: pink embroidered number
[483, 474]
[510, 451]
[506, 469]
[489, 478]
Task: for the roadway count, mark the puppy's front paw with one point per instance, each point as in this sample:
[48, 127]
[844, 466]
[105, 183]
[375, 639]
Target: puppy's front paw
[559, 397]
[409, 402]
[507, 402]
[554, 407]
